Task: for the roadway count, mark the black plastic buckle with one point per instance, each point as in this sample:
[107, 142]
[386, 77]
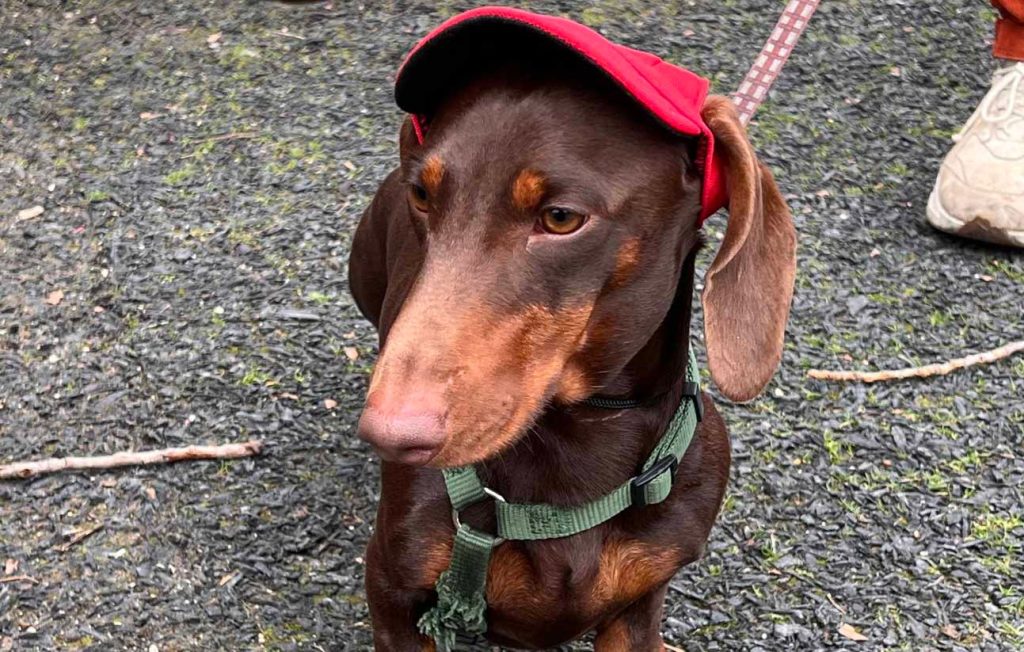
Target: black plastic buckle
[637, 484]
[692, 392]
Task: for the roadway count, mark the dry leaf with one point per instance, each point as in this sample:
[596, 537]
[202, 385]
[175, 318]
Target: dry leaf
[151, 493]
[29, 213]
[227, 578]
[851, 632]
[10, 566]
[896, 71]
[951, 632]
[330, 403]
[54, 298]
[351, 353]
[109, 483]
[148, 115]
[875, 253]
[213, 38]
[673, 648]
[349, 166]
[823, 193]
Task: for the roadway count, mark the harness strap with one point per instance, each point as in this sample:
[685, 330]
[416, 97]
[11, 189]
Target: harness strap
[464, 487]
[532, 521]
[461, 589]
[529, 522]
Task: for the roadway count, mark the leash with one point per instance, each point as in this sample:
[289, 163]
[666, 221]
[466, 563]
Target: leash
[460, 613]
[461, 589]
[762, 75]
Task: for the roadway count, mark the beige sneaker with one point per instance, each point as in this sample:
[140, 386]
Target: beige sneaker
[980, 190]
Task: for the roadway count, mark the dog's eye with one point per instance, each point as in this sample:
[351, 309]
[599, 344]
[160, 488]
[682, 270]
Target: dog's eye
[561, 221]
[418, 197]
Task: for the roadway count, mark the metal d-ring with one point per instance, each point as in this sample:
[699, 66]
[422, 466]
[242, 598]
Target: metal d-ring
[494, 496]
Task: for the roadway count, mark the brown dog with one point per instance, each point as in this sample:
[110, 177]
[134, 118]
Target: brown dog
[536, 250]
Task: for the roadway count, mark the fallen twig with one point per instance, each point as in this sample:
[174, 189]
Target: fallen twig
[18, 578]
[940, 369]
[23, 470]
[79, 536]
[234, 135]
[285, 32]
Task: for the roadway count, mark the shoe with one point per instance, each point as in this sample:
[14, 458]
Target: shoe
[980, 189]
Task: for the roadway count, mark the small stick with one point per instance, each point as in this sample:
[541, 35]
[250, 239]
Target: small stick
[80, 536]
[940, 369]
[23, 470]
[290, 35]
[234, 135]
[18, 578]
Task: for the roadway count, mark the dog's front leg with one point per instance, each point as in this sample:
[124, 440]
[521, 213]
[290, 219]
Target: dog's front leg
[393, 611]
[635, 629]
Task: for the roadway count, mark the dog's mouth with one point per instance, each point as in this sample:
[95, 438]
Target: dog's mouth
[411, 456]
[472, 445]
[432, 403]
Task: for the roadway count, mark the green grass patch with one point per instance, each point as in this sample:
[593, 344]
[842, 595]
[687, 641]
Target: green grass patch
[256, 376]
[838, 450]
[180, 176]
[1010, 270]
[997, 529]
[318, 297]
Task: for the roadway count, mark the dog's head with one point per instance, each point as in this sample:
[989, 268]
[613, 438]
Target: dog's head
[555, 217]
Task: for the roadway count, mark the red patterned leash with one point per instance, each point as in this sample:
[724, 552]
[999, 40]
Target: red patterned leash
[754, 89]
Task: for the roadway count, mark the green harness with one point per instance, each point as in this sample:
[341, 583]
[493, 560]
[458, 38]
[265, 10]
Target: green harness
[461, 589]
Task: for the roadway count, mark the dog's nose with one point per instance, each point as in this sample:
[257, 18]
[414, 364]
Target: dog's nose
[409, 432]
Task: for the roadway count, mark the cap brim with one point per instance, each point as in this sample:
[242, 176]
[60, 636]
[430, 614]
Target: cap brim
[491, 34]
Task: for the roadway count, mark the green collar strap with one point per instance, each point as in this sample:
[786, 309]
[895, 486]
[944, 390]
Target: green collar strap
[461, 602]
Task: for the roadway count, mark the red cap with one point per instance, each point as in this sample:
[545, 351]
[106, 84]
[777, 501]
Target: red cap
[672, 95]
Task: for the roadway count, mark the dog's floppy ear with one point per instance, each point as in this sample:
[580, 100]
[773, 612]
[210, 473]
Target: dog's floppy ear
[407, 135]
[368, 259]
[748, 289]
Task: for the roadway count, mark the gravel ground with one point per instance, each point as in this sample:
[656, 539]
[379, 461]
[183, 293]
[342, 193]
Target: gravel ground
[202, 166]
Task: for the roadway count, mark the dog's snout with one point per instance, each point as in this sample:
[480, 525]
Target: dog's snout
[409, 431]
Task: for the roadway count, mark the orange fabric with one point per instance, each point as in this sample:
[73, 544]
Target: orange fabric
[1010, 29]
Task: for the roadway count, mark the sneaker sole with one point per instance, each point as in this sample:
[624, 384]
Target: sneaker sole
[943, 221]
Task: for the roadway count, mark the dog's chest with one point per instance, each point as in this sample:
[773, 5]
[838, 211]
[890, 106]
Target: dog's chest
[559, 589]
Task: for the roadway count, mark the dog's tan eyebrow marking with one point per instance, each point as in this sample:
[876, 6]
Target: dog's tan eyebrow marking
[433, 172]
[527, 189]
[626, 262]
